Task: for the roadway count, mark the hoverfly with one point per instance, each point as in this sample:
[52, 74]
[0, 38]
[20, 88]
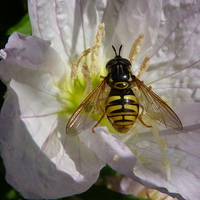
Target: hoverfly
[116, 98]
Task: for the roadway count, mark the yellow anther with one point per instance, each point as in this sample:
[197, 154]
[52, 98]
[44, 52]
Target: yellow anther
[161, 145]
[77, 62]
[96, 47]
[166, 166]
[144, 66]
[135, 48]
[116, 158]
[86, 72]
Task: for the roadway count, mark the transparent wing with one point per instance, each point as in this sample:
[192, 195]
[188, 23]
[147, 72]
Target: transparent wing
[90, 110]
[156, 108]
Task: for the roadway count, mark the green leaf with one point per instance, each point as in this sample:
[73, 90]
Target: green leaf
[108, 171]
[24, 26]
[103, 193]
[11, 194]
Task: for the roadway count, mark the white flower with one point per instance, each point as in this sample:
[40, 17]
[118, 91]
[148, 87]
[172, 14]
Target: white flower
[40, 159]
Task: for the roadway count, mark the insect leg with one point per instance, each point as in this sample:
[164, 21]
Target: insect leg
[98, 122]
[140, 118]
[102, 76]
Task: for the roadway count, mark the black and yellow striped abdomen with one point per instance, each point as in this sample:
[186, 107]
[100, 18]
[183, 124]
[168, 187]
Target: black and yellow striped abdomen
[122, 109]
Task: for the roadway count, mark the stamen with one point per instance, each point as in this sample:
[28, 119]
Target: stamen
[126, 137]
[165, 100]
[143, 160]
[161, 146]
[135, 48]
[77, 62]
[96, 47]
[86, 73]
[144, 66]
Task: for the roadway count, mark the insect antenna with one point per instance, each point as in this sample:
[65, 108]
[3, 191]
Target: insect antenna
[120, 48]
[116, 51]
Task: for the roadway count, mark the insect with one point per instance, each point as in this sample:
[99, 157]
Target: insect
[115, 98]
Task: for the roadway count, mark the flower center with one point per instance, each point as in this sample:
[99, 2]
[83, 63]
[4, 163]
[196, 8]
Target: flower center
[84, 82]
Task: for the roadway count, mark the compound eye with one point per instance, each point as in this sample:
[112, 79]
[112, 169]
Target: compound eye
[111, 63]
[125, 62]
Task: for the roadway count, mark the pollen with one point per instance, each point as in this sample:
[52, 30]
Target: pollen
[96, 47]
[144, 66]
[77, 62]
[161, 145]
[92, 61]
[116, 158]
[143, 160]
[95, 51]
[86, 72]
[135, 48]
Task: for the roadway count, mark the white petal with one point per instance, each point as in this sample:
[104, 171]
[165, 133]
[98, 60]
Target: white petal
[174, 68]
[174, 73]
[65, 24]
[36, 176]
[40, 159]
[35, 69]
[126, 21]
[110, 149]
[71, 26]
[2, 53]
[183, 154]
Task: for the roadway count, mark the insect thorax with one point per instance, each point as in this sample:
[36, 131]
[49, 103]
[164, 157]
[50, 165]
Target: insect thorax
[120, 76]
